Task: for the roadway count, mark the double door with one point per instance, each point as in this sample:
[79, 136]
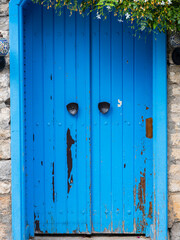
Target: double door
[90, 99]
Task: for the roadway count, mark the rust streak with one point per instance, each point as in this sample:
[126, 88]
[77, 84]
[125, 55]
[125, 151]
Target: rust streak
[142, 198]
[150, 210]
[134, 224]
[70, 142]
[135, 195]
[149, 127]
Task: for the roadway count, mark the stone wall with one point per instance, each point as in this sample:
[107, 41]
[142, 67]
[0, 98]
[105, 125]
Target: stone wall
[173, 141]
[174, 147]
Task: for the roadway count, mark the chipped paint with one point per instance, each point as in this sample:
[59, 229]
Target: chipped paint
[149, 127]
[53, 183]
[70, 142]
[37, 229]
[37, 225]
[119, 103]
[143, 150]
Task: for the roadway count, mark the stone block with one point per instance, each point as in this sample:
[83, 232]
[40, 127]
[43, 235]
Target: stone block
[4, 94]
[5, 187]
[175, 231]
[5, 149]
[173, 154]
[174, 139]
[4, 9]
[174, 177]
[5, 170]
[4, 23]
[4, 117]
[174, 208]
[4, 79]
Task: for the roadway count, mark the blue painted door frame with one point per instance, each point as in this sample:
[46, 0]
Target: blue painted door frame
[159, 228]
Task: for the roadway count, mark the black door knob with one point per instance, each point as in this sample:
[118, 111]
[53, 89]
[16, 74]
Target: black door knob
[104, 107]
[72, 108]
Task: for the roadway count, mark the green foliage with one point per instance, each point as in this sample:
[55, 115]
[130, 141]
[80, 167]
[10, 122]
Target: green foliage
[158, 15]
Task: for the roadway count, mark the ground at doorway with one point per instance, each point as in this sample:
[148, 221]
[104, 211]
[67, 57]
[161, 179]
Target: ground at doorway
[93, 238]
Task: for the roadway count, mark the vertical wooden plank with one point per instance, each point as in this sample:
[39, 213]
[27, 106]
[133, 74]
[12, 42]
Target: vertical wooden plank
[48, 119]
[160, 136]
[28, 120]
[117, 97]
[17, 127]
[149, 138]
[95, 119]
[38, 124]
[105, 126]
[71, 121]
[143, 145]
[128, 128]
[60, 167]
[83, 122]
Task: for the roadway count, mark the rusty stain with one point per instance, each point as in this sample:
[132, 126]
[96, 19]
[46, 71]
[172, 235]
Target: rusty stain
[142, 119]
[142, 198]
[107, 230]
[158, 222]
[149, 127]
[150, 210]
[135, 195]
[70, 142]
[92, 228]
[134, 225]
[123, 226]
[142, 192]
[147, 108]
[117, 230]
[124, 165]
[53, 183]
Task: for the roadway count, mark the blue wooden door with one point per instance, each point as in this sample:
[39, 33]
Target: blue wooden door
[121, 138]
[87, 171]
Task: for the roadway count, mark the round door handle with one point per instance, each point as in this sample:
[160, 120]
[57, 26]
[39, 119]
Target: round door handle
[72, 108]
[104, 107]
